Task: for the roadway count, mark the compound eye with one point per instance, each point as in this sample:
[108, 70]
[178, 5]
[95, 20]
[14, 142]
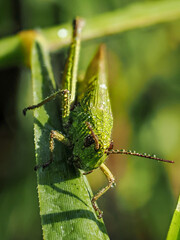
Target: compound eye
[89, 140]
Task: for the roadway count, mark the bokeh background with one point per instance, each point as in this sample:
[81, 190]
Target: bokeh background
[145, 92]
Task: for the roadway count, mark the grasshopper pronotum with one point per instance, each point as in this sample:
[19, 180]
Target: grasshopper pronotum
[87, 120]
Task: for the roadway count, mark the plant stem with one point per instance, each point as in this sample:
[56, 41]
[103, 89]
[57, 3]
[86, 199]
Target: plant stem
[134, 16]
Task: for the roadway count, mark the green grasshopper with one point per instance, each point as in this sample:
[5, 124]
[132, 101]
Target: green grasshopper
[87, 119]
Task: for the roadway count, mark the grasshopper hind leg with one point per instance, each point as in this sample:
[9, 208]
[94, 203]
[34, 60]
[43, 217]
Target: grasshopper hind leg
[111, 183]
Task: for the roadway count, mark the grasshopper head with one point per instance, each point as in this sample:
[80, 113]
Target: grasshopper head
[90, 141]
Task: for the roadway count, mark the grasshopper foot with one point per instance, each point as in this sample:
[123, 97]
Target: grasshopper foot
[24, 111]
[43, 165]
[86, 173]
[97, 209]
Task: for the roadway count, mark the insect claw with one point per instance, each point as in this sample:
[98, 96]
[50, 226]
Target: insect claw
[113, 185]
[100, 214]
[86, 173]
[24, 111]
[47, 163]
[43, 165]
[36, 168]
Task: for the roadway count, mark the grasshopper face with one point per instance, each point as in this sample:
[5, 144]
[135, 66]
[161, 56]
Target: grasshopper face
[92, 119]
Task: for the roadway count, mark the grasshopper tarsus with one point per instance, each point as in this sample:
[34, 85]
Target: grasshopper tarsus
[44, 165]
[86, 173]
[47, 163]
[28, 108]
[36, 167]
[97, 209]
[46, 100]
[24, 111]
[111, 183]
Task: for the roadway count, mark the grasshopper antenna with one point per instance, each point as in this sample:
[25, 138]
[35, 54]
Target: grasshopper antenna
[133, 153]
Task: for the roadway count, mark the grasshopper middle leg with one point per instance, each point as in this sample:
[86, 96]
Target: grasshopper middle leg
[53, 135]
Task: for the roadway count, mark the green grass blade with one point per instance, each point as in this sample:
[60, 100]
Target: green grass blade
[131, 17]
[64, 194]
[174, 230]
[136, 15]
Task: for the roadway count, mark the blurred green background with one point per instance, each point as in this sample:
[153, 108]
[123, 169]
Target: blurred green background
[145, 92]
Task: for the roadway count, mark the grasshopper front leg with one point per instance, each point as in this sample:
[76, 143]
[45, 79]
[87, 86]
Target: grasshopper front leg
[64, 93]
[111, 183]
[69, 78]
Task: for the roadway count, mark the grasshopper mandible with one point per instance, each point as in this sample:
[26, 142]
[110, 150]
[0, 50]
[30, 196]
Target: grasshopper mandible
[87, 120]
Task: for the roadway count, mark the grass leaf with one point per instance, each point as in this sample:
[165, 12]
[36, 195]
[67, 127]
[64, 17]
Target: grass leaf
[174, 230]
[64, 193]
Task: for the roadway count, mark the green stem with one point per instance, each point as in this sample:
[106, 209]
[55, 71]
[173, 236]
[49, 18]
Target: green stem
[134, 16]
[11, 53]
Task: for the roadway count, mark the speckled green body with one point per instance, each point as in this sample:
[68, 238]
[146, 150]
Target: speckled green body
[93, 107]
